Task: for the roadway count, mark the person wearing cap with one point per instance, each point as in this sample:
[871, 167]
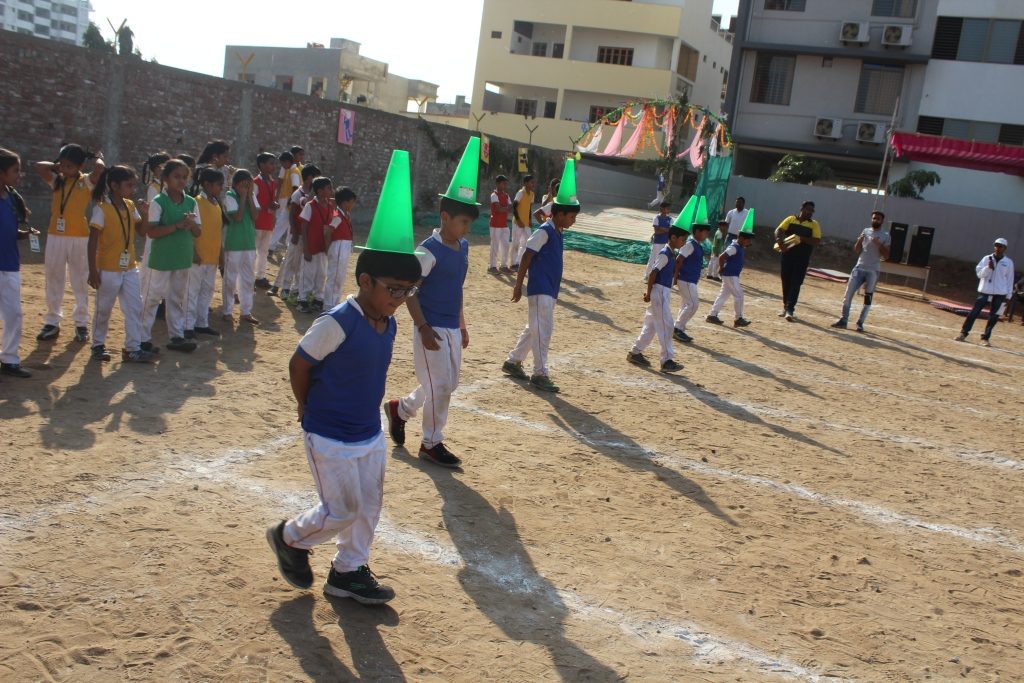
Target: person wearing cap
[338, 375]
[501, 207]
[873, 246]
[438, 316]
[995, 283]
[730, 265]
[688, 267]
[543, 261]
[796, 238]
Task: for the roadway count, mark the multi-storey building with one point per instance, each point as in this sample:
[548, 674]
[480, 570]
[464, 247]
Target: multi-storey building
[63, 20]
[555, 67]
[826, 79]
[337, 72]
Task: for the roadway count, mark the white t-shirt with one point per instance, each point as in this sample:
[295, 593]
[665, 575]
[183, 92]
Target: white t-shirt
[730, 250]
[298, 197]
[537, 240]
[426, 257]
[100, 222]
[660, 262]
[736, 219]
[325, 335]
[686, 249]
[231, 204]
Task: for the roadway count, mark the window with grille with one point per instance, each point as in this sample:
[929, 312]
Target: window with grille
[615, 55]
[930, 125]
[598, 112]
[540, 49]
[557, 50]
[1011, 134]
[786, 5]
[879, 88]
[773, 79]
[526, 107]
[905, 9]
[997, 41]
[963, 129]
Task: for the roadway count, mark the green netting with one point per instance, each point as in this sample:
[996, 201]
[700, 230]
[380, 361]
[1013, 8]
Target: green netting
[630, 251]
[713, 183]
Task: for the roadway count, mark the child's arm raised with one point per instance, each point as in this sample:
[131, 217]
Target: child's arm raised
[45, 169]
[98, 167]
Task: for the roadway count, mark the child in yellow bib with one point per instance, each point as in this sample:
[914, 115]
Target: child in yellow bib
[207, 257]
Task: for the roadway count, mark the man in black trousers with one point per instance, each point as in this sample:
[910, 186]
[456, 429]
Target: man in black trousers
[796, 238]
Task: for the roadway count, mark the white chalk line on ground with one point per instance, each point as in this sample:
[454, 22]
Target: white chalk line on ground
[867, 511]
[508, 574]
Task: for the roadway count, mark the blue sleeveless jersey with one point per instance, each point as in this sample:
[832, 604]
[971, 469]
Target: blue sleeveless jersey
[733, 264]
[440, 294]
[664, 277]
[546, 267]
[662, 222]
[692, 264]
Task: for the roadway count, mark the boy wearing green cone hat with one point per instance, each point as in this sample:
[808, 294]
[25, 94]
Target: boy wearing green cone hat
[688, 267]
[543, 262]
[338, 373]
[730, 266]
[437, 313]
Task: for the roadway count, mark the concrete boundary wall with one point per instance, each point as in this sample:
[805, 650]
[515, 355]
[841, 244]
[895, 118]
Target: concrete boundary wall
[961, 232]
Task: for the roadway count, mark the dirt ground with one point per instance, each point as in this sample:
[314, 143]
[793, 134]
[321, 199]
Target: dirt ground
[798, 504]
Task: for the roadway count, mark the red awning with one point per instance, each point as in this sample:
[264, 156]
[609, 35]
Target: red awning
[980, 156]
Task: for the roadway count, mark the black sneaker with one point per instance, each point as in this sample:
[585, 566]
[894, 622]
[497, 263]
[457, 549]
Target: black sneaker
[14, 370]
[81, 334]
[514, 370]
[304, 307]
[262, 283]
[638, 359]
[714, 320]
[292, 562]
[396, 425]
[179, 344]
[318, 306]
[740, 322]
[149, 347]
[190, 334]
[99, 352]
[440, 455]
[360, 585]
[48, 332]
[681, 336]
[671, 366]
[839, 324]
[208, 331]
[860, 327]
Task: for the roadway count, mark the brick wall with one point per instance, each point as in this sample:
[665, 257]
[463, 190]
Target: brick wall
[129, 108]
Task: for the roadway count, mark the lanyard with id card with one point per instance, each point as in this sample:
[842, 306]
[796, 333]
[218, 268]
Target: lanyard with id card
[33, 242]
[64, 198]
[126, 231]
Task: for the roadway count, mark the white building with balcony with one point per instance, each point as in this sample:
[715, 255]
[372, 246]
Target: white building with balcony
[824, 79]
[63, 20]
[555, 67]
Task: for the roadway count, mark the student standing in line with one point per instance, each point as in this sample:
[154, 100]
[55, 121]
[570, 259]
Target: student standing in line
[13, 212]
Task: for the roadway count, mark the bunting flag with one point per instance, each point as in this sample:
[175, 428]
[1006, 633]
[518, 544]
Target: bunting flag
[615, 143]
[594, 143]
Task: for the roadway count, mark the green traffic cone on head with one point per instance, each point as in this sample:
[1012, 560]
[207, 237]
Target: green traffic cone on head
[748, 224]
[463, 185]
[700, 217]
[391, 229]
[685, 217]
[567, 188]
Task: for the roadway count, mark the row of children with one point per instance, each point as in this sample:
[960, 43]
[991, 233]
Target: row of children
[189, 236]
[339, 370]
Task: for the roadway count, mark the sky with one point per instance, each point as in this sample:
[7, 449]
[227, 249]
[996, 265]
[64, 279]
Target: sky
[434, 42]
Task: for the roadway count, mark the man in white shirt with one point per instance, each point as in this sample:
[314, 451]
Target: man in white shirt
[995, 283]
[735, 218]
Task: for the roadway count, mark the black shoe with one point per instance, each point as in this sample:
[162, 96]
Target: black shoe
[396, 425]
[262, 283]
[671, 366]
[190, 334]
[360, 585]
[839, 324]
[99, 352]
[318, 306]
[638, 359]
[740, 322]
[860, 327]
[48, 332]
[179, 344]
[14, 370]
[148, 347]
[81, 334]
[714, 320]
[292, 562]
[208, 331]
[304, 307]
[440, 455]
[681, 336]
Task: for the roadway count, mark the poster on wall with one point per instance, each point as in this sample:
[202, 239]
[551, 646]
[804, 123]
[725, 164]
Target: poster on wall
[485, 149]
[524, 160]
[346, 126]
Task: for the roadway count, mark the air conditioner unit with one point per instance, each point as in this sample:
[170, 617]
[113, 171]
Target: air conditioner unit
[828, 128]
[871, 131]
[854, 32]
[897, 35]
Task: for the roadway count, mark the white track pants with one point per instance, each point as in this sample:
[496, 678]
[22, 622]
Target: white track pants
[657, 321]
[713, 266]
[350, 481]
[536, 337]
[438, 374]
[289, 273]
[238, 278]
[202, 279]
[519, 238]
[262, 250]
[337, 266]
[281, 225]
[125, 288]
[312, 280]
[689, 304]
[172, 287]
[66, 258]
[10, 315]
[655, 250]
[730, 288]
[499, 247]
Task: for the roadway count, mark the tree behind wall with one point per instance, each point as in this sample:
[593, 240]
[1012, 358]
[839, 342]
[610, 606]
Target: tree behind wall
[913, 184]
[93, 39]
[796, 168]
